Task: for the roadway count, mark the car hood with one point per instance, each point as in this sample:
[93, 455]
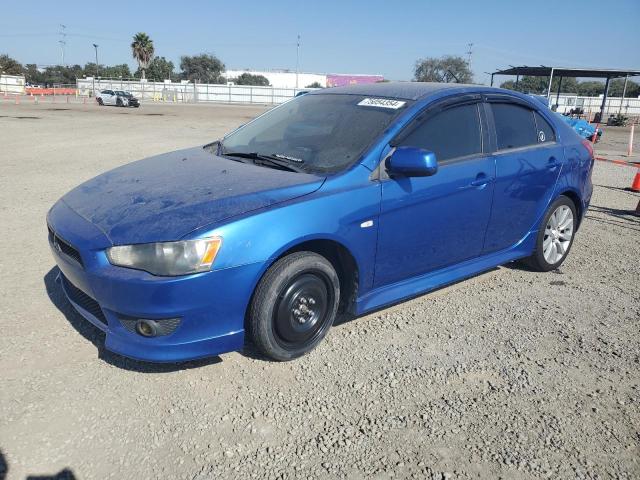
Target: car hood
[163, 198]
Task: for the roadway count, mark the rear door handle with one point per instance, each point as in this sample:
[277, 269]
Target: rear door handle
[553, 163]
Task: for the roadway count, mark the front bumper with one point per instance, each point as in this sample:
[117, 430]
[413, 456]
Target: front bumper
[211, 306]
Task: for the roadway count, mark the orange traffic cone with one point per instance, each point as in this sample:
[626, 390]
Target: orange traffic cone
[635, 186]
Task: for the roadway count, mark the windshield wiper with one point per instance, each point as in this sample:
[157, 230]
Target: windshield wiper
[266, 160]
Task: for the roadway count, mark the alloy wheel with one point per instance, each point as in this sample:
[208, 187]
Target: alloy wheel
[558, 234]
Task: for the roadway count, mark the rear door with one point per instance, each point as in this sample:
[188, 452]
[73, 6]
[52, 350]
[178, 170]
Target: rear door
[427, 223]
[528, 164]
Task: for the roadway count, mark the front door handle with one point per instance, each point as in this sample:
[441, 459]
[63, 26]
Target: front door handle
[481, 180]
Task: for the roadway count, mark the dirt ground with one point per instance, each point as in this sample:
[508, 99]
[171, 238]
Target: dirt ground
[511, 374]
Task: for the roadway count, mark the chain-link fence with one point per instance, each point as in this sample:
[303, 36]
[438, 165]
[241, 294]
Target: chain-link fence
[188, 92]
[565, 103]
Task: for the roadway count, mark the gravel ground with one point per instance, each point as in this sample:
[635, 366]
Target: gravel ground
[511, 374]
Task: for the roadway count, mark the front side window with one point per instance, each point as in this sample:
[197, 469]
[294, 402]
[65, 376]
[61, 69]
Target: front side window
[319, 133]
[451, 133]
[515, 126]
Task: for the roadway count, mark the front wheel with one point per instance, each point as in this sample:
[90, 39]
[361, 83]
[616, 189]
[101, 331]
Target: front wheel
[100, 102]
[555, 236]
[293, 306]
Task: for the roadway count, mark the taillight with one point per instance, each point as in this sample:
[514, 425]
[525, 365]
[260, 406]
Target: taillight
[589, 146]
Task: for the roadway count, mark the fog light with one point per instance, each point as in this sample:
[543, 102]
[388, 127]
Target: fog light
[147, 328]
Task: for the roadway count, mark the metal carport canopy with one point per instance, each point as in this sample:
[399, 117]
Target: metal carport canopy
[562, 72]
[543, 71]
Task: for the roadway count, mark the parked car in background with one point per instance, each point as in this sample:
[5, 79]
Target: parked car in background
[119, 98]
[341, 200]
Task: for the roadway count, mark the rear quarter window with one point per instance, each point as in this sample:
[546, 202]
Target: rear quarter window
[544, 130]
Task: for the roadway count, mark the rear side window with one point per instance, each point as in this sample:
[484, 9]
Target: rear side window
[544, 131]
[449, 134]
[515, 126]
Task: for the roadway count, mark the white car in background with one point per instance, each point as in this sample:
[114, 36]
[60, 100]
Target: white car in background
[117, 97]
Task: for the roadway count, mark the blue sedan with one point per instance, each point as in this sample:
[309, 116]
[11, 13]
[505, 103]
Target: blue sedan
[340, 201]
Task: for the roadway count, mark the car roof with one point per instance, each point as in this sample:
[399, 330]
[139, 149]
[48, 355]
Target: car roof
[403, 90]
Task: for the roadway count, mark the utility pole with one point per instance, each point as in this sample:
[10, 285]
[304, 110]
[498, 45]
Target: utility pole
[96, 47]
[297, 59]
[94, 78]
[63, 40]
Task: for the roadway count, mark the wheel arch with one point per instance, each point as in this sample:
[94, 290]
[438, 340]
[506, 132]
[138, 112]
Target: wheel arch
[340, 257]
[577, 203]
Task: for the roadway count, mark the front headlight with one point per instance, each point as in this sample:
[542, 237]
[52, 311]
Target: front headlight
[167, 258]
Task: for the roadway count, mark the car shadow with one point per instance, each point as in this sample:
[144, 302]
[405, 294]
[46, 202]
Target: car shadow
[618, 189]
[627, 219]
[97, 337]
[4, 468]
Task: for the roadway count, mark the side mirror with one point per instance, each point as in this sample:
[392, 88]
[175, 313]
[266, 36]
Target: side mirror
[412, 162]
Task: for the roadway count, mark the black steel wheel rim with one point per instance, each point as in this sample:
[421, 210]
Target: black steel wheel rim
[303, 310]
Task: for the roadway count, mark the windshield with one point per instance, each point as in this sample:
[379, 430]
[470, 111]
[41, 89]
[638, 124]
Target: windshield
[320, 133]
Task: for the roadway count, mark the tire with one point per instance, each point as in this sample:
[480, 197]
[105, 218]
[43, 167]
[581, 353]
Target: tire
[552, 239]
[293, 306]
[119, 102]
[100, 102]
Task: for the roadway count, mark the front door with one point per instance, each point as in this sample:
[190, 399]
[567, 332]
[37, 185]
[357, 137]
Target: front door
[427, 223]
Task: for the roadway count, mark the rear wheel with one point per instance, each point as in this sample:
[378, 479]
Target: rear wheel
[119, 102]
[555, 236]
[293, 306]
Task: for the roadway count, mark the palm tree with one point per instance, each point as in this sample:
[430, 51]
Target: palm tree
[142, 49]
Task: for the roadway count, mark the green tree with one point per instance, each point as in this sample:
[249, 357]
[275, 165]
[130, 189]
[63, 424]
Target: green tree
[59, 74]
[445, 69]
[591, 88]
[617, 86]
[314, 85]
[159, 69]
[249, 79]
[539, 85]
[114, 71]
[32, 74]
[10, 66]
[142, 50]
[202, 68]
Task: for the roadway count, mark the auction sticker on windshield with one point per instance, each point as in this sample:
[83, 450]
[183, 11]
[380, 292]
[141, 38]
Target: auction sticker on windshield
[382, 103]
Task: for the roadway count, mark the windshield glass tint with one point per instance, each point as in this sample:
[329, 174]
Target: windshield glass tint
[326, 132]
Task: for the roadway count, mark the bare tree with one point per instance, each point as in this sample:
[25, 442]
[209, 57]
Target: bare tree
[448, 69]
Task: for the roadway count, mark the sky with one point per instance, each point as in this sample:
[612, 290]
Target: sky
[372, 36]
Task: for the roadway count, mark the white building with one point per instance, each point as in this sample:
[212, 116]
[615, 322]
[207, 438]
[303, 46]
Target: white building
[12, 84]
[281, 78]
[289, 79]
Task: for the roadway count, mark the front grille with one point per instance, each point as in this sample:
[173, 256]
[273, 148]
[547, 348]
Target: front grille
[83, 300]
[63, 246]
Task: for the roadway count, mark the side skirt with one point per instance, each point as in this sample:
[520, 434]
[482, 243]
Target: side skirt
[389, 294]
